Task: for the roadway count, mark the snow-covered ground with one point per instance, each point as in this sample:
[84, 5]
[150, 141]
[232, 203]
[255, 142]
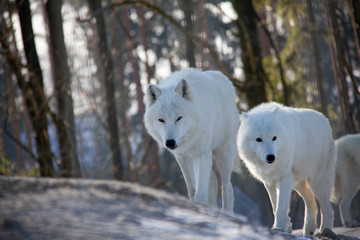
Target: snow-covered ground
[38, 208]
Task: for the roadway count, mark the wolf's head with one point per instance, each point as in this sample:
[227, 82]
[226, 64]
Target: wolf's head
[259, 136]
[170, 117]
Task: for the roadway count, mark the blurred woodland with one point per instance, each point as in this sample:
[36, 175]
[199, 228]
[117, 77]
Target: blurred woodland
[73, 75]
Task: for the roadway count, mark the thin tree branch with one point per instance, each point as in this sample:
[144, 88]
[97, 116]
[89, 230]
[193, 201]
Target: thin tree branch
[17, 141]
[277, 56]
[353, 82]
[178, 26]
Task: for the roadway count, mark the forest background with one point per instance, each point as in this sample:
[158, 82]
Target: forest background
[73, 75]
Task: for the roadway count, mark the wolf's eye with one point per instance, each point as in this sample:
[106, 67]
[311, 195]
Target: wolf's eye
[274, 138]
[259, 140]
[179, 118]
[161, 120]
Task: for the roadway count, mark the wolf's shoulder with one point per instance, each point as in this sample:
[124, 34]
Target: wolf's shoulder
[199, 81]
[349, 141]
[174, 78]
[266, 107]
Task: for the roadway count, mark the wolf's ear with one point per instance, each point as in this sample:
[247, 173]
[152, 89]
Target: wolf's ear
[183, 89]
[152, 94]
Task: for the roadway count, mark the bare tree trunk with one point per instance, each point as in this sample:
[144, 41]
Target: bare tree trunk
[26, 116]
[28, 132]
[151, 150]
[338, 61]
[2, 146]
[70, 166]
[14, 120]
[153, 155]
[125, 121]
[206, 62]
[11, 100]
[113, 131]
[275, 47]
[2, 93]
[143, 29]
[354, 6]
[186, 6]
[34, 91]
[134, 64]
[125, 142]
[255, 76]
[316, 54]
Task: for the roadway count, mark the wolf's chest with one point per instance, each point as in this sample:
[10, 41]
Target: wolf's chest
[266, 172]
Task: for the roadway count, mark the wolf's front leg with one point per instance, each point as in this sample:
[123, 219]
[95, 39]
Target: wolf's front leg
[202, 166]
[284, 188]
[271, 190]
[213, 189]
[187, 171]
[345, 211]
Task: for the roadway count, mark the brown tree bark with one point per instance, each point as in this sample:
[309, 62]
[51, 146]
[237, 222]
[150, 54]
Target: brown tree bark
[338, 66]
[255, 76]
[354, 6]
[33, 90]
[153, 153]
[186, 6]
[2, 93]
[14, 119]
[143, 28]
[134, 63]
[275, 46]
[202, 27]
[70, 166]
[319, 79]
[151, 149]
[125, 142]
[26, 116]
[113, 131]
[28, 132]
[2, 146]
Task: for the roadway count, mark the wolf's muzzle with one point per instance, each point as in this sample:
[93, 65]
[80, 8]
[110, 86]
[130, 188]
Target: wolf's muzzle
[171, 144]
[270, 158]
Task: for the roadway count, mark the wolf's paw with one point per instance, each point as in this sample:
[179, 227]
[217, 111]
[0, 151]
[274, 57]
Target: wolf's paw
[328, 233]
[278, 229]
[352, 224]
[309, 229]
[308, 232]
[355, 224]
[289, 228]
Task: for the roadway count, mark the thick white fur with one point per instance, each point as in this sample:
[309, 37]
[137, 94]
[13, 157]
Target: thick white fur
[304, 153]
[347, 178]
[205, 135]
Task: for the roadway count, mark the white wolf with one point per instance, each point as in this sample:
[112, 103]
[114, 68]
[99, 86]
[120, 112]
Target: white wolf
[347, 177]
[194, 115]
[287, 148]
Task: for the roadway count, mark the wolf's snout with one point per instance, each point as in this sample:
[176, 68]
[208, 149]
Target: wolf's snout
[270, 158]
[171, 144]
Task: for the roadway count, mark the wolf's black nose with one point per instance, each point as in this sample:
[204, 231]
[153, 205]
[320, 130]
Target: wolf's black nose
[270, 158]
[171, 144]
